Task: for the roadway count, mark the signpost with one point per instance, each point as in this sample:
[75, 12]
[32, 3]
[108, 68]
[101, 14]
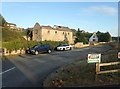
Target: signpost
[94, 58]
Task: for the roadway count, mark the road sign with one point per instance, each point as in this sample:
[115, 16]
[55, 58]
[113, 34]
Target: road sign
[118, 54]
[94, 58]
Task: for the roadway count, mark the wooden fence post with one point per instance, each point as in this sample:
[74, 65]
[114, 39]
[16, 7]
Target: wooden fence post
[97, 71]
[97, 68]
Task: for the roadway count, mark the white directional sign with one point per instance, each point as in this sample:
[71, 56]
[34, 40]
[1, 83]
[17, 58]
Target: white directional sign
[118, 54]
[94, 58]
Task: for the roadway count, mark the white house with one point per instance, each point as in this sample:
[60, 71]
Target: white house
[93, 38]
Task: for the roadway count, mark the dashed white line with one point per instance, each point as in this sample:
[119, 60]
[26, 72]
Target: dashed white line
[7, 70]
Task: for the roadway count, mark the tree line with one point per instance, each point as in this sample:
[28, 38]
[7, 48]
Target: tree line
[82, 36]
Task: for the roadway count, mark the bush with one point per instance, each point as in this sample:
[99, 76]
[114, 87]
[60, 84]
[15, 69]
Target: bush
[15, 45]
[7, 36]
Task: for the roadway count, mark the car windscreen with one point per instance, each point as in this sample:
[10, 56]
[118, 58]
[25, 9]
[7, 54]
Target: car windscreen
[64, 45]
[36, 46]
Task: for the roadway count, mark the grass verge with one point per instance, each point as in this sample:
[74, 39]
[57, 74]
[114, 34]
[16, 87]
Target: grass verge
[82, 74]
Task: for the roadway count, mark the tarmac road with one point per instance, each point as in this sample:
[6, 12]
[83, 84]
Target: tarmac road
[31, 70]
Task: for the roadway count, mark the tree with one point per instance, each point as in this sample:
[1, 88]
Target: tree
[29, 34]
[80, 37]
[78, 33]
[107, 37]
[74, 32]
[2, 20]
[78, 29]
[103, 37]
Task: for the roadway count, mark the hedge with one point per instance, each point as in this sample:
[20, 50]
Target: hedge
[15, 45]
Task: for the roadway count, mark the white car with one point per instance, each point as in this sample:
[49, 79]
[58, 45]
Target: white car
[64, 47]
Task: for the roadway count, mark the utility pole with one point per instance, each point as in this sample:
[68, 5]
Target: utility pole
[118, 29]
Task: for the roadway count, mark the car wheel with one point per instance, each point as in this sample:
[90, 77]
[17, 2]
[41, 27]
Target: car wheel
[36, 52]
[49, 51]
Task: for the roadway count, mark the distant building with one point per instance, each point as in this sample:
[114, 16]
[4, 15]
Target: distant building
[48, 33]
[93, 38]
[20, 29]
[11, 25]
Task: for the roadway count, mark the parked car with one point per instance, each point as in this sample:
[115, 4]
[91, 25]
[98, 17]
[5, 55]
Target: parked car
[64, 47]
[39, 48]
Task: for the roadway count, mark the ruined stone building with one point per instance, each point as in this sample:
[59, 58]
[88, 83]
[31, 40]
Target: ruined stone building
[48, 33]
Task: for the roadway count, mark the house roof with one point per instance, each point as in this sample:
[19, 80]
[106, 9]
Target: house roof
[62, 28]
[94, 34]
[46, 27]
[11, 24]
[59, 28]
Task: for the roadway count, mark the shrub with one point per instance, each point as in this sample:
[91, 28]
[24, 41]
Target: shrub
[15, 45]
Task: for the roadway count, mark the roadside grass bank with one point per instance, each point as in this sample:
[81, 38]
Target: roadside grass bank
[82, 74]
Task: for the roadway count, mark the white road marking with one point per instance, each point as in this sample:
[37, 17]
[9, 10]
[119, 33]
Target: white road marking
[7, 70]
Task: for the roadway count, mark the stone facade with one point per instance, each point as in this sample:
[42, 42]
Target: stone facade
[37, 33]
[48, 33]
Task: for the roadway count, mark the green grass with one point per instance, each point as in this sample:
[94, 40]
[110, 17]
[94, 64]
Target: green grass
[11, 35]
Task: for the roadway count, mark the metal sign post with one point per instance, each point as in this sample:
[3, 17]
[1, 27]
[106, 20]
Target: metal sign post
[118, 54]
[95, 58]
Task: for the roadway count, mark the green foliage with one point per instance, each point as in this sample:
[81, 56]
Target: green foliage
[29, 34]
[103, 37]
[115, 39]
[12, 40]
[2, 20]
[11, 35]
[15, 45]
[82, 37]
[74, 32]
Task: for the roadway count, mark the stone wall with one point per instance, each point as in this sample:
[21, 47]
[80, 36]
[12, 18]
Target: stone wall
[55, 35]
[81, 45]
[14, 52]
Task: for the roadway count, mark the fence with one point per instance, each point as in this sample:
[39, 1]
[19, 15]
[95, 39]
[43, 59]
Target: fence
[98, 65]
